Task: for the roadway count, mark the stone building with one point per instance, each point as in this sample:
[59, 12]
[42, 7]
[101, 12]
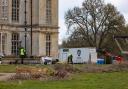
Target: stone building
[32, 24]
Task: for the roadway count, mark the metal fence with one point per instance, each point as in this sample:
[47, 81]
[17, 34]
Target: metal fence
[18, 60]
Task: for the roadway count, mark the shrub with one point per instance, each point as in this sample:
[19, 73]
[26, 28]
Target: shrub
[66, 67]
[64, 70]
[106, 68]
[60, 74]
[25, 73]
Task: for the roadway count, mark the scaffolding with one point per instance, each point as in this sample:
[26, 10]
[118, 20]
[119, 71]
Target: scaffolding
[118, 44]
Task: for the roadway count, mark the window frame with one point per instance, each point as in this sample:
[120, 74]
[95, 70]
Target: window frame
[48, 12]
[3, 42]
[48, 44]
[15, 10]
[15, 43]
[4, 9]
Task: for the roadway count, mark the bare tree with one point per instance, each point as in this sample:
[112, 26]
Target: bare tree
[95, 20]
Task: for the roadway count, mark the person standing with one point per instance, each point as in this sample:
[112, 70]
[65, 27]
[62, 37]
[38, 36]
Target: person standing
[22, 54]
[70, 59]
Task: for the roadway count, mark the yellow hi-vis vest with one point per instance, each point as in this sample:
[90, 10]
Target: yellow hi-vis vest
[22, 51]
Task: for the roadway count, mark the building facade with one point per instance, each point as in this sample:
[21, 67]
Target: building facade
[32, 24]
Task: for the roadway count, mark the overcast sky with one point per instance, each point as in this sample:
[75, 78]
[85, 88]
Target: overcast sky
[64, 5]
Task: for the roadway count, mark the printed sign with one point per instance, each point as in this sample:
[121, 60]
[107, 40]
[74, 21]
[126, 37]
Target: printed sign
[79, 54]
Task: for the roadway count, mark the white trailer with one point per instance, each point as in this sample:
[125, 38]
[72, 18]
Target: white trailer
[80, 55]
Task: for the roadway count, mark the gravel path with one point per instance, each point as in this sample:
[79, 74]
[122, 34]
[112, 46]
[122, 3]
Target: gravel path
[6, 76]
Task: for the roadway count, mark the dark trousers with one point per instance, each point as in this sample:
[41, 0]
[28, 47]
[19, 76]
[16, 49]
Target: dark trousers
[70, 60]
[22, 59]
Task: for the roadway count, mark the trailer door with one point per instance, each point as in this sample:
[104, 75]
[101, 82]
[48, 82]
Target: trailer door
[64, 57]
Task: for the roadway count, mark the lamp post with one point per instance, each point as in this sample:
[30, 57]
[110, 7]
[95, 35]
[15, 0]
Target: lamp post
[25, 22]
[1, 53]
[31, 26]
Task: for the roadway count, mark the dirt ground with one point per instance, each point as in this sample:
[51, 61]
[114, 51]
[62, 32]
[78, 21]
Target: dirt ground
[6, 76]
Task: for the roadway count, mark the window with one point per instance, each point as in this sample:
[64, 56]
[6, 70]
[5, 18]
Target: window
[15, 10]
[48, 44]
[4, 9]
[15, 43]
[65, 50]
[3, 39]
[48, 12]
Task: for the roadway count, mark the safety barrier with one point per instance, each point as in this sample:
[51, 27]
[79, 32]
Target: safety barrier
[18, 60]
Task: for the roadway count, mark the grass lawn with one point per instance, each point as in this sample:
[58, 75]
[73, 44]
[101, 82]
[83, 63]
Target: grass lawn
[117, 80]
[7, 68]
[12, 68]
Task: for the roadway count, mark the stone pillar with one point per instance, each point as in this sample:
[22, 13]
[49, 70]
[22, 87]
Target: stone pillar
[42, 44]
[9, 44]
[54, 45]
